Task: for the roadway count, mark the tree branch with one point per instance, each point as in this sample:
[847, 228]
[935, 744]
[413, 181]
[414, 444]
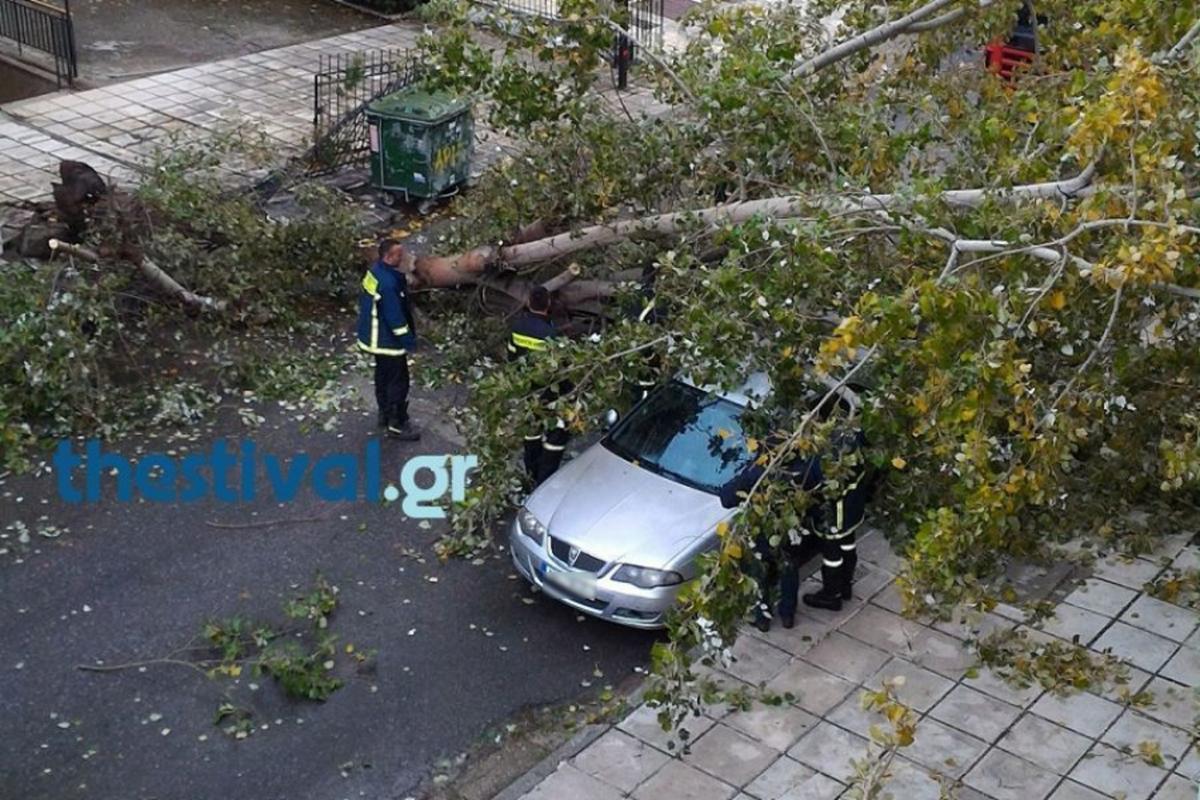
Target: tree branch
[888, 30]
[1176, 51]
[155, 273]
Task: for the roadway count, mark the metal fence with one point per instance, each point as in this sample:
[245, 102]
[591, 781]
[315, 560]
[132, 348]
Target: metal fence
[645, 16]
[47, 28]
[343, 86]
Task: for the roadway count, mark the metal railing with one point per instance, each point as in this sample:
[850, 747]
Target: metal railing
[47, 28]
[343, 86]
[645, 16]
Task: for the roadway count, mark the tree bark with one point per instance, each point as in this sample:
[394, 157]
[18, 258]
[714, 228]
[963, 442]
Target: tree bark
[466, 268]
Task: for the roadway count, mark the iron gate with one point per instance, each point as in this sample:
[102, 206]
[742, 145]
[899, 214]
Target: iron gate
[47, 28]
[343, 86]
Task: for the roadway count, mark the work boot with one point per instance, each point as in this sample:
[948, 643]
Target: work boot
[851, 563]
[404, 432]
[830, 596]
[762, 622]
[788, 620]
[382, 420]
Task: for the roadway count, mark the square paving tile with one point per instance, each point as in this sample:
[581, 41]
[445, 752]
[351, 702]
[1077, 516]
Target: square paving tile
[1082, 713]
[798, 640]
[921, 688]
[911, 782]
[853, 717]
[889, 599]
[1183, 667]
[678, 781]
[566, 781]
[777, 727]
[972, 625]
[1138, 647]
[1177, 788]
[1131, 574]
[815, 690]
[1133, 728]
[846, 657]
[942, 653]
[1188, 558]
[1173, 704]
[1006, 777]
[829, 749]
[1070, 621]
[1157, 616]
[755, 661]
[788, 779]
[1189, 766]
[620, 760]
[889, 632]
[987, 681]
[730, 755]
[1070, 790]
[969, 710]
[1110, 771]
[1118, 692]
[944, 749]
[1045, 744]
[643, 724]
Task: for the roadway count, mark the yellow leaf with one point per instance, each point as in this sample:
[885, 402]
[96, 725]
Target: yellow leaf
[752, 445]
[234, 670]
[722, 529]
[724, 434]
[967, 414]
[733, 551]
[1058, 301]
[899, 463]
[349, 648]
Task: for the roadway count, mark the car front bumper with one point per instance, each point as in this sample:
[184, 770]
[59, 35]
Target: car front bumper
[614, 601]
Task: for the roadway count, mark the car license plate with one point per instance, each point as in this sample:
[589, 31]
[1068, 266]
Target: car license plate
[582, 585]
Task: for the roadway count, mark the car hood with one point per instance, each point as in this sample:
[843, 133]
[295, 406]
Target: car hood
[615, 511]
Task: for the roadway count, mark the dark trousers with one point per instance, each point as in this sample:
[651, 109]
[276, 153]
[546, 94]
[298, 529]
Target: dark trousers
[391, 388]
[839, 559]
[544, 453]
[784, 571]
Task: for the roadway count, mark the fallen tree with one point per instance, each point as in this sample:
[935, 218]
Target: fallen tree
[1018, 257]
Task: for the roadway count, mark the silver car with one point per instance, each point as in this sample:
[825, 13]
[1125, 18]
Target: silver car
[615, 533]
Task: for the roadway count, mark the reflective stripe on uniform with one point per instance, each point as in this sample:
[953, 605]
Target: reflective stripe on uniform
[646, 311]
[555, 447]
[401, 331]
[849, 547]
[370, 285]
[831, 564]
[381, 351]
[528, 342]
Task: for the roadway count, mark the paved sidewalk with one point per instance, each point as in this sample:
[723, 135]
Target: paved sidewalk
[977, 737]
[117, 127]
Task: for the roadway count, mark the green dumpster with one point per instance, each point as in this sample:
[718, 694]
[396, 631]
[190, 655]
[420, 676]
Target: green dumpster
[420, 144]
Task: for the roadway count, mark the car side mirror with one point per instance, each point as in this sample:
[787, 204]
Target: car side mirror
[610, 418]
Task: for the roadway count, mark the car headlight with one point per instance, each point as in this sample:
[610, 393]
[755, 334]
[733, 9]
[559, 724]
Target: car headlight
[530, 526]
[646, 578]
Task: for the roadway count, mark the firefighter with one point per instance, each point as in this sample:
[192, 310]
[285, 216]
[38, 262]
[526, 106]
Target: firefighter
[769, 569]
[531, 331]
[385, 330]
[843, 514]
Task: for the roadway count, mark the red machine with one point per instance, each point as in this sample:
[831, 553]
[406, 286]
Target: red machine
[1007, 59]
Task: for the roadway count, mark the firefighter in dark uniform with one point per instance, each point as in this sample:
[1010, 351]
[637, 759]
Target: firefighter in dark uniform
[769, 569]
[385, 330]
[531, 332]
[845, 506]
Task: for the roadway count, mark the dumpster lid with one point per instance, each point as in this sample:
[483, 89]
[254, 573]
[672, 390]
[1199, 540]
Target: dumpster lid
[419, 104]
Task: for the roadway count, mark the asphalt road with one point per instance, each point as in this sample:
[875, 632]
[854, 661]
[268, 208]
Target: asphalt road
[459, 650]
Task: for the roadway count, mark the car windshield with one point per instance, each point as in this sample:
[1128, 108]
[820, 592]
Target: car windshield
[686, 434]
